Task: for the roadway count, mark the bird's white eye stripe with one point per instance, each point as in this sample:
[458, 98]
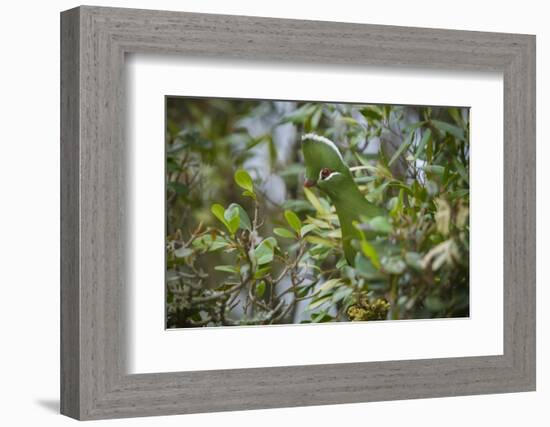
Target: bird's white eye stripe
[323, 140]
[332, 175]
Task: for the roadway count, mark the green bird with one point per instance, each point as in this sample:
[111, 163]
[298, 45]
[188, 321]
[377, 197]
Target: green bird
[326, 169]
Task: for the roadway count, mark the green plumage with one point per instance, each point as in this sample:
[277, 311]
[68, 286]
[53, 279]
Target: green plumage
[320, 152]
[326, 169]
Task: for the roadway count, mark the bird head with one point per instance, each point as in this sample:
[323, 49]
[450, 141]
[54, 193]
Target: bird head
[321, 153]
[332, 182]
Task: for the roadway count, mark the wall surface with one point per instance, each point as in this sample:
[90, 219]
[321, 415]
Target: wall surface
[29, 224]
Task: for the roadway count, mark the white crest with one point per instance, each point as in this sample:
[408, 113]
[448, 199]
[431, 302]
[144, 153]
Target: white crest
[328, 178]
[323, 140]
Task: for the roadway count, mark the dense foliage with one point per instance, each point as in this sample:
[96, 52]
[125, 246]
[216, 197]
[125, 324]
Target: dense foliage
[247, 244]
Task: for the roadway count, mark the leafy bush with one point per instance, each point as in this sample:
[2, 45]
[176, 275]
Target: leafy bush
[237, 255]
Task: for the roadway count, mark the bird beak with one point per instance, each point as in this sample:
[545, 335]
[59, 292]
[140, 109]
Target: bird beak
[309, 183]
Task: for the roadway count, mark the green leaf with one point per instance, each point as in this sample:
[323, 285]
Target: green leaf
[316, 240]
[461, 170]
[249, 194]
[377, 194]
[231, 215]
[432, 187]
[393, 265]
[414, 126]
[316, 303]
[314, 201]
[206, 242]
[172, 275]
[322, 317]
[293, 221]
[183, 252]
[304, 290]
[264, 251]
[255, 141]
[328, 285]
[319, 222]
[226, 268]
[429, 150]
[425, 138]
[178, 187]
[307, 228]
[243, 180]
[219, 211]
[401, 148]
[342, 263]
[350, 121]
[218, 243]
[245, 223]
[414, 260]
[387, 111]
[397, 207]
[449, 129]
[297, 205]
[316, 118]
[262, 272]
[272, 241]
[340, 294]
[434, 303]
[380, 224]
[300, 115]
[371, 113]
[365, 268]
[458, 194]
[283, 232]
[370, 252]
[260, 289]
[293, 170]
[436, 169]
[455, 114]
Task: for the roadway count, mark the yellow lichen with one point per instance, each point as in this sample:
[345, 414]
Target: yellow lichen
[367, 310]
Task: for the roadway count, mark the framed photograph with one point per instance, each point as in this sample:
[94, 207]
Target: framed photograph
[262, 213]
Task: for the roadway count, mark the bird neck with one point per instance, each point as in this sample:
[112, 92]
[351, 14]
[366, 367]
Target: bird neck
[350, 203]
[350, 206]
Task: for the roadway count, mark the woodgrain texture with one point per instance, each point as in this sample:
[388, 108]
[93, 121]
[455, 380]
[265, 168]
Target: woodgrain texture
[94, 382]
[70, 366]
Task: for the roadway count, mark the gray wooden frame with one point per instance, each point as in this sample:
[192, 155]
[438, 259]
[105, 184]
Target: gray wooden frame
[94, 41]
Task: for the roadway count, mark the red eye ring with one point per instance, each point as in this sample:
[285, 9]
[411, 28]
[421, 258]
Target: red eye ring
[325, 172]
